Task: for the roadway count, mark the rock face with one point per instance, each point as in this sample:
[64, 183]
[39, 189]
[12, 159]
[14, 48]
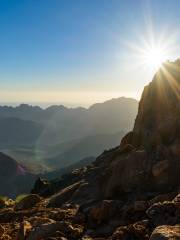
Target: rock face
[157, 126]
[154, 164]
[130, 192]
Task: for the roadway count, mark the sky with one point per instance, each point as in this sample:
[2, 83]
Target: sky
[79, 52]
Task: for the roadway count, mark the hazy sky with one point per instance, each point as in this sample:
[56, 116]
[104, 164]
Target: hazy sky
[81, 51]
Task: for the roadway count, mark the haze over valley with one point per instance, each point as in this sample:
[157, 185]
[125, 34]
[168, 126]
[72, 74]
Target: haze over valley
[55, 137]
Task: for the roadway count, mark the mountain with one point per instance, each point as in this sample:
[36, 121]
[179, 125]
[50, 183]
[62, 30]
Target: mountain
[130, 191]
[52, 158]
[55, 137]
[14, 178]
[15, 131]
[61, 124]
[83, 148]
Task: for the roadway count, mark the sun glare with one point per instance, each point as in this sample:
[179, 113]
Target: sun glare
[154, 57]
[152, 50]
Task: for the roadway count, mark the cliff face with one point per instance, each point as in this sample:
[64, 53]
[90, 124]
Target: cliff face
[158, 120]
[153, 161]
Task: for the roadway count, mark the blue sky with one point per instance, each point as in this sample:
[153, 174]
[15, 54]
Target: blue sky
[80, 51]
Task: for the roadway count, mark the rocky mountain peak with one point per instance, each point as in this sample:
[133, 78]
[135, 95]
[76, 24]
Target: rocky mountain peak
[152, 161]
[158, 120]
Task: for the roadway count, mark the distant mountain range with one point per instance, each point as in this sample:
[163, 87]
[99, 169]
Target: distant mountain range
[15, 131]
[57, 136]
[62, 124]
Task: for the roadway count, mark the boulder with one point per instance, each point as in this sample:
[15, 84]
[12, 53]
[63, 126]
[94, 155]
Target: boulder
[138, 231]
[166, 232]
[64, 195]
[27, 202]
[166, 213]
[103, 211]
[42, 187]
[56, 228]
[2, 230]
[25, 227]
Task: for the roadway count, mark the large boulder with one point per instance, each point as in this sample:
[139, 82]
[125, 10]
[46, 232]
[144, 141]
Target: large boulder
[166, 233]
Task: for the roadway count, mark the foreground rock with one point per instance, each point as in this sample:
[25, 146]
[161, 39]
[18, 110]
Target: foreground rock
[166, 233]
[27, 202]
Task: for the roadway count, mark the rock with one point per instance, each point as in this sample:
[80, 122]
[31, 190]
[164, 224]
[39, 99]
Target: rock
[36, 221]
[103, 211]
[160, 167]
[166, 233]
[2, 231]
[27, 202]
[50, 229]
[64, 195]
[166, 213]
[6, 237]
[127, 173]
[140, 206]
[25, 227]
[138, 231]
[127, 139]
[162, 198]
[10, 203]
[176, 201]
[43, 231]
[42, 187]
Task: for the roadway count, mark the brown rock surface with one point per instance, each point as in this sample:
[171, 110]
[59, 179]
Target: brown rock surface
[27, 202]
[166, 233]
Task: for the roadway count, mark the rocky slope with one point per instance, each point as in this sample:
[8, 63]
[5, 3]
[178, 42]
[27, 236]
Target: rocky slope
[129, 193]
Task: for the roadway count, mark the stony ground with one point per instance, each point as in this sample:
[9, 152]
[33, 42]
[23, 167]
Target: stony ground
[154, 219]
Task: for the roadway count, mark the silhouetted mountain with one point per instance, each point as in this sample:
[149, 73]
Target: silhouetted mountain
[14, 178]
[23, 111]
[60, 136]
[62, 124]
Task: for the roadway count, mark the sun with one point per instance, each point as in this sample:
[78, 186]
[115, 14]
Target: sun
[154, 56]
[150, 50]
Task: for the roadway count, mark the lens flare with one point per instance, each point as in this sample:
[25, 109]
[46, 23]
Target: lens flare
[154, 56]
